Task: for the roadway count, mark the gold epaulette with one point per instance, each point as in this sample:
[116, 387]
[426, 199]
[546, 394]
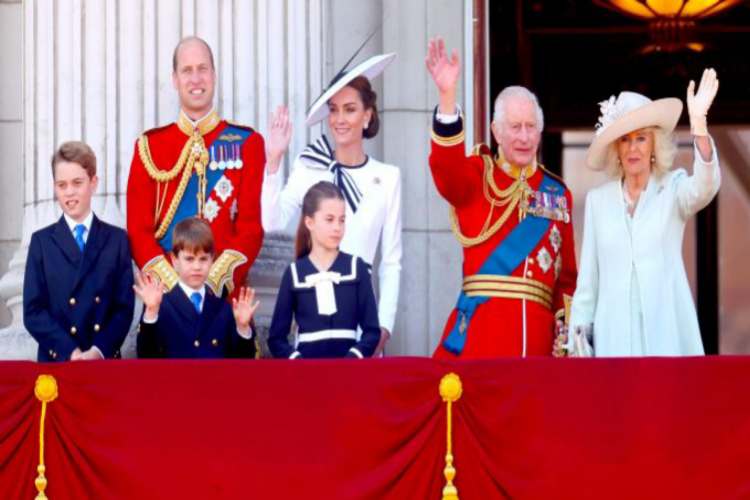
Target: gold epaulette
[221, 272]
[160, 268]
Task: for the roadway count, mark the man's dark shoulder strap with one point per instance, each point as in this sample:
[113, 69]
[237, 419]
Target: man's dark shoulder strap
[554, 176]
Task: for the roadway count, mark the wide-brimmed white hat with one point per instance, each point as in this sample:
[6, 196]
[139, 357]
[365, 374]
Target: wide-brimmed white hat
[370, 69]
[628, 112]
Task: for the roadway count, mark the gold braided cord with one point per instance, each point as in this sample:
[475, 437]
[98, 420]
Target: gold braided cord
[198, 160]
[509, 197]
[186, 173]
[487, 231]
[153, 171]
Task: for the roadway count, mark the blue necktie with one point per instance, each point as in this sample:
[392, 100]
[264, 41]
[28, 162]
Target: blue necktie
[195, 298]
[79, 230]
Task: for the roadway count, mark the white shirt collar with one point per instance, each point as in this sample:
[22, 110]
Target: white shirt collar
[190, 290]
[86, 222]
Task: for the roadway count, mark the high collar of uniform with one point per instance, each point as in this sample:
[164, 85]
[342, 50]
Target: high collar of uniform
[203, 125]
[515, 171]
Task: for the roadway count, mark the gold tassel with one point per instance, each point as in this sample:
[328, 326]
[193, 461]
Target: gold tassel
[45, 391]
[450, 391]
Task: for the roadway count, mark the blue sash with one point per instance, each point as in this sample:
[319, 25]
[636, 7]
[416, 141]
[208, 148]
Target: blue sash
[188, 206]
[506, 257]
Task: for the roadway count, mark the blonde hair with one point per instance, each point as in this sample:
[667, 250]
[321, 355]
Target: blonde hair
[664, 152]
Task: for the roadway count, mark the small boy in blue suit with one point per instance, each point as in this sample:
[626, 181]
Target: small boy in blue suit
[77, 291]
[190, 321]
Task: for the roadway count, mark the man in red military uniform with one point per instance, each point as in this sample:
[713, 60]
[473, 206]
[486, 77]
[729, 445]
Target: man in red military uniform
[512, 218]
[200, 166]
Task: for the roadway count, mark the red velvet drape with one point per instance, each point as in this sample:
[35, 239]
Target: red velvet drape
[375, 429]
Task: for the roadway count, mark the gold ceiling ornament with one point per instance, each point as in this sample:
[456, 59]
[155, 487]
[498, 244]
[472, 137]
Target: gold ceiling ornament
[671, 22]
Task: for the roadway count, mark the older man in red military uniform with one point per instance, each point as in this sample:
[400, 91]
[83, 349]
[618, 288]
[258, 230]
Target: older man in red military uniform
[199, 166]
[512, 218]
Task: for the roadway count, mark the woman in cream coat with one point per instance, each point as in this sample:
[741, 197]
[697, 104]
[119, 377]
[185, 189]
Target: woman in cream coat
[632, 286]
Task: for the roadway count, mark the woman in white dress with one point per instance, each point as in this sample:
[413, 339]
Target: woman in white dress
[372, 189]
[632, 287]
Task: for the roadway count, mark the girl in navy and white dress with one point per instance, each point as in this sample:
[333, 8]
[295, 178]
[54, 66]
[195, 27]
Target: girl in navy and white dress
[327, 292]
[371, 188]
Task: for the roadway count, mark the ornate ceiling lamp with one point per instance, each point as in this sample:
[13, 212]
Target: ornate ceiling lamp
[672, 23]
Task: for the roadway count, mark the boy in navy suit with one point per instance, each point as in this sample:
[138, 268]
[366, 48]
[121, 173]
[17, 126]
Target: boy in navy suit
[190, 321]
[77, 291]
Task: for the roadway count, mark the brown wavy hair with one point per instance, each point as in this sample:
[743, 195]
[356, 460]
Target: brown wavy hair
[370, 101]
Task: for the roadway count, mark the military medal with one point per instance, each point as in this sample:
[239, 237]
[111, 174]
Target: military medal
[238, 162]
[233, 157]
[222, 162]
[214, 164]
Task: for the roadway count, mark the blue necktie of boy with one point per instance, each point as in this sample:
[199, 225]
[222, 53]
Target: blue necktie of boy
[195, 298]
[80, 229]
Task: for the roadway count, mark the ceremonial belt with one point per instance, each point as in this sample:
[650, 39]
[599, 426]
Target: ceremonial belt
[508, 287]
[495, 273]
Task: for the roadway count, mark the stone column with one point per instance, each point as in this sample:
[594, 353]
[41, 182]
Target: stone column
[100, 71]
[431, 274]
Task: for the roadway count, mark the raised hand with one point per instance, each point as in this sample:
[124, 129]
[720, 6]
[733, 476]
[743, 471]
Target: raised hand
[243, 307]
[444, 71]
[279, 136]
[150, 291]
[698, 103]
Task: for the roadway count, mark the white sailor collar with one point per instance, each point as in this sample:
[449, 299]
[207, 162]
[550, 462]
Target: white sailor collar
[305, 274]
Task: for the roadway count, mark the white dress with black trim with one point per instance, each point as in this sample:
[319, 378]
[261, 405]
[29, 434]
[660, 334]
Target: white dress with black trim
[373, 211]
[328, 307]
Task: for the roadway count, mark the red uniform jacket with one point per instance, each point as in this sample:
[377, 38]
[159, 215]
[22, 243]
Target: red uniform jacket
[232, 211]
[517, 323]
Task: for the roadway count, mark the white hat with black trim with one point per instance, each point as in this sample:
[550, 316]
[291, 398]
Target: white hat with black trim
[369, 69]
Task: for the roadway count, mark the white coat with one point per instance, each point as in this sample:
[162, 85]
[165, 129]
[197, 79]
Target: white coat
[653, 250]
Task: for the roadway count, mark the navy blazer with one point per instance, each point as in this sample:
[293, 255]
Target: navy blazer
[181, 332]
[73, 299]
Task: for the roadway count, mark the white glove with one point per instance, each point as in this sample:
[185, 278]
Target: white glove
[699, 102]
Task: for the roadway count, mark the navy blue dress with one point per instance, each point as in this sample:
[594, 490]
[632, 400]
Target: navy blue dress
[326, 335]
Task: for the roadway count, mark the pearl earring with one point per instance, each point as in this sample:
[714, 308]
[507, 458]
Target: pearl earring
[653, 159]
[367, 125]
